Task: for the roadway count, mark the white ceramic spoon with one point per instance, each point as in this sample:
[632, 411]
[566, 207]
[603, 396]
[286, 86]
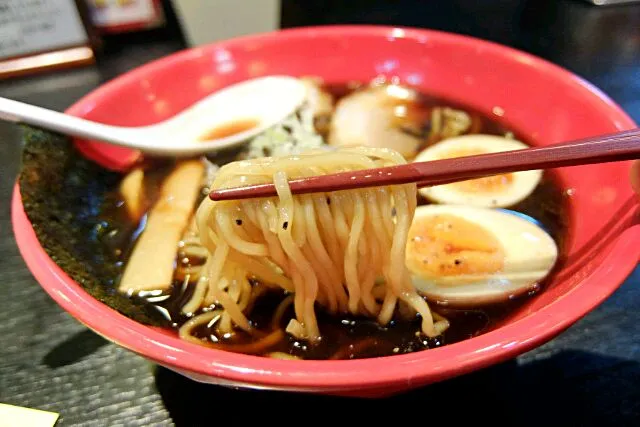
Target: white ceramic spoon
[259, 103]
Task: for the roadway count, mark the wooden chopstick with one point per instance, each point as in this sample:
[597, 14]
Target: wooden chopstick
[613, 147]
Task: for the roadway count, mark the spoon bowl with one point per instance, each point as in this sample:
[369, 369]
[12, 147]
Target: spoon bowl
[224, 119]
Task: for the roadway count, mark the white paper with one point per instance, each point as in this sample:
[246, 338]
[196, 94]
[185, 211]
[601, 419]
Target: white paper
[16, 416]
[29, 26]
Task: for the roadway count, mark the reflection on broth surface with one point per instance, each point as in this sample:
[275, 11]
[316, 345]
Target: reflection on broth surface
[244, 287]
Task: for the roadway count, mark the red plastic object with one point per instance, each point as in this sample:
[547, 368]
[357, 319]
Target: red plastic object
[545, 103]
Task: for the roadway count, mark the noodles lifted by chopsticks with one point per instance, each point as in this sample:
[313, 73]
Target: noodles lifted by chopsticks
[342, 251]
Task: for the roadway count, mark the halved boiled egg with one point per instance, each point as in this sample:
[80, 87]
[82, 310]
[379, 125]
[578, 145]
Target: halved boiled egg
[494, 191]
[470, 256]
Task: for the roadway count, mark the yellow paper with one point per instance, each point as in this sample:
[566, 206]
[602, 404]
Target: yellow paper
[15, 416]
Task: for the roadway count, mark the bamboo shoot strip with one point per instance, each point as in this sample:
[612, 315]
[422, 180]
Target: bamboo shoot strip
[151, 263]
[132, 191]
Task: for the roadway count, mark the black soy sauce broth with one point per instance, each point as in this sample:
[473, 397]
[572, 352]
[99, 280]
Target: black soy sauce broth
[349, 337]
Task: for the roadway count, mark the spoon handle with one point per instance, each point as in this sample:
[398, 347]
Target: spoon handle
[19, 112]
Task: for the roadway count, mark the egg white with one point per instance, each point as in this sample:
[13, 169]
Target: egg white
[530, 255]
[521, 187]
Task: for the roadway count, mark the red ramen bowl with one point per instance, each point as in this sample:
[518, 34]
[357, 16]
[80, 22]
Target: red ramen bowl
[541, 101]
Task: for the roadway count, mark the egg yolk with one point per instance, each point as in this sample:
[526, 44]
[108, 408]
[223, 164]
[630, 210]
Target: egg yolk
[448, 245]
[489, 184]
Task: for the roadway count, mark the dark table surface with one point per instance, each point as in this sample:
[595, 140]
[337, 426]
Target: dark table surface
[590, 375]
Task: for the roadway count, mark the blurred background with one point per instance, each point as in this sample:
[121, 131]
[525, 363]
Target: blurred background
[80, 43]
[52, 52]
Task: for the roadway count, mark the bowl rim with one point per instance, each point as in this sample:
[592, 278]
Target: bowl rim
[432, 365]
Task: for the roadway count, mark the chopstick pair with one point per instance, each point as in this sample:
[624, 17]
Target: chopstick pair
[613, 147]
